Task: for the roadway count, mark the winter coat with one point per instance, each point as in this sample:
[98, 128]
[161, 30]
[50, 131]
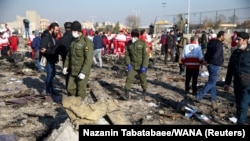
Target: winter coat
[137, 54]
[80, 56]
[192, 56]
[64, 43]
[49, 43]
[214, 54]
[97, 40]
[36, 43]
[239, 65]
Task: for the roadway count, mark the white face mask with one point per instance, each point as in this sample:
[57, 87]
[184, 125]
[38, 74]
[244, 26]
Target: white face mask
[134, 39]
[75, 34]
[242, 47]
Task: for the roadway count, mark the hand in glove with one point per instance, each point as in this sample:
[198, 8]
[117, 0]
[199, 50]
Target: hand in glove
[143, 69]
[81, 76]
[129, 67]
[65, 71]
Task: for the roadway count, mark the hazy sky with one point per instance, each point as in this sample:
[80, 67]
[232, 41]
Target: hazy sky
[110, 10]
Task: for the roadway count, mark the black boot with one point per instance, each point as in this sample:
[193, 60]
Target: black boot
[144, 92]
[181, 69]
[126, 96]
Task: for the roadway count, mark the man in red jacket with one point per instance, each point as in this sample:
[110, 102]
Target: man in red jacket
[192, 58]
[14, 41]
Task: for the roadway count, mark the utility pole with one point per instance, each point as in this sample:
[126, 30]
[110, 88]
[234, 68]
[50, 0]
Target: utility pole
[92, 20]
[136, 11]
[234, 18]
[188, 17]
[164, 5]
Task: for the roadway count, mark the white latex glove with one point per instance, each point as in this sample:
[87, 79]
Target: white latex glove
[65, 71]
[81, 76]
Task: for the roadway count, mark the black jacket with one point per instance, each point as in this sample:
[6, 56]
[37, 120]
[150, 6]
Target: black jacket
[239, 63]
[49, 43]
[214, 54]
[63, 44]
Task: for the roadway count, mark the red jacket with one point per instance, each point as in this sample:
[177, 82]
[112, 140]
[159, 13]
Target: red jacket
[84, 31]
[233, 40]
[13, 41]
[163, 39]
[105, 40]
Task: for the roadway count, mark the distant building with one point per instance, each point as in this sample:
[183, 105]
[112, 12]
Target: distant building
[226, 26]
[102, 25]
[36, 23]
[162, 25]
[87, 24]
[44, 23]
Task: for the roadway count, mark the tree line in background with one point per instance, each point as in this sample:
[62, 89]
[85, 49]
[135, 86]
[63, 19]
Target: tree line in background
[108, 28]
[209, 23]
[132, 21]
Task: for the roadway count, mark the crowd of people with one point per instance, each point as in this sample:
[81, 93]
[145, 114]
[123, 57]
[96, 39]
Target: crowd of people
[80, 51]
[8, 42]
[207, 50]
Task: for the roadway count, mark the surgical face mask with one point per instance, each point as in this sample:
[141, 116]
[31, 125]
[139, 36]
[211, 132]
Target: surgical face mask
[75, 34]
[134, 39]
[242, 47]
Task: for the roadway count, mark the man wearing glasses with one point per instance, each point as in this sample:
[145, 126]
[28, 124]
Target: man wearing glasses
[239, 71]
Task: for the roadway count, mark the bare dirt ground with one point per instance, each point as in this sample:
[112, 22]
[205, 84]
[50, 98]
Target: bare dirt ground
[28, 115]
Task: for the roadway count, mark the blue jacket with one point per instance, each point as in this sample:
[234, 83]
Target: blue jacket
[36, 43]
[97, 40]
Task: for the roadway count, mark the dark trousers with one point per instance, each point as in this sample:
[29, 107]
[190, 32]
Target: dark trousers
[170, 51]
[191, 74]
[163, 49]
[242, 100]
[67, 81]
[5, 50]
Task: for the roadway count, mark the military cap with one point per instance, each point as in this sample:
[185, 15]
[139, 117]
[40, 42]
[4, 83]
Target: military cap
[67, 25]
[76, 26]
[243, 35]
